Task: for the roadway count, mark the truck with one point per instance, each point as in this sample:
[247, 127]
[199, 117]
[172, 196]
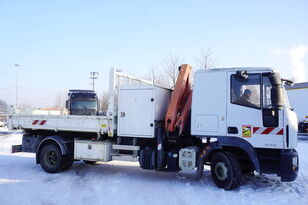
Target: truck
[235, 120]
[82, 102]
[297, 94]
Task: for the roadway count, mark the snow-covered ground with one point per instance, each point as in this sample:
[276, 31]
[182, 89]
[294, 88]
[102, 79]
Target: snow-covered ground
[24, 182]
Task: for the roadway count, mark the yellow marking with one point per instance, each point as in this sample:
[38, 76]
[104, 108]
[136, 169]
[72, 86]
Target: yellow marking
[104, 125]
[297, 88]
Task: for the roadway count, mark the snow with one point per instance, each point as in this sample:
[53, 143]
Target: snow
[24, 182]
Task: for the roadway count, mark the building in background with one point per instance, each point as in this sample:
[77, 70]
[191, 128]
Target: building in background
[298, 97]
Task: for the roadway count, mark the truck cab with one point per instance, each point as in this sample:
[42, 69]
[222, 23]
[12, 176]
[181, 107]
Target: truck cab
[247, 108]
[82, 102]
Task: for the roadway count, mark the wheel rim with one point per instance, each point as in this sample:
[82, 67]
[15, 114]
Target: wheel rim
[221, 171]
[52, 158]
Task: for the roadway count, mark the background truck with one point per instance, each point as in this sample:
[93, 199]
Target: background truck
[298, 94]
[237, 120]
[82, 102]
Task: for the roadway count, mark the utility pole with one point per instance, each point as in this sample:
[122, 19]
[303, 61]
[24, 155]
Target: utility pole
[16, 97]
[93, 77]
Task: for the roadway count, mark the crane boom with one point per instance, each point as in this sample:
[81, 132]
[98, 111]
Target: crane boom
[180, 104]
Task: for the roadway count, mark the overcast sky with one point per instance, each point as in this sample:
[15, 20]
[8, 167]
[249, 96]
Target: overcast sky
[57, 43]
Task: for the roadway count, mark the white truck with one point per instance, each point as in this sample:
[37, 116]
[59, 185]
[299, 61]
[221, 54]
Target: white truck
[237, 120]
[298, 94]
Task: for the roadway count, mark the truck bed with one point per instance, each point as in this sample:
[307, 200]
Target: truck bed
[76, 123]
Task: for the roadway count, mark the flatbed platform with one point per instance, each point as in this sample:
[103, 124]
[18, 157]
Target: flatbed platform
[75, 123]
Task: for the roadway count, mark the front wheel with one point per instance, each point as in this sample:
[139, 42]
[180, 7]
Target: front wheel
[51, 158]
[226, 170]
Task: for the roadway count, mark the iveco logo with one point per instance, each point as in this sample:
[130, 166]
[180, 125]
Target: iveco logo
[89, 146]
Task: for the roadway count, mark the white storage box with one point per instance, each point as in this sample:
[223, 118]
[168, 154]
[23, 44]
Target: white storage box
[93, 150]
[138, 109]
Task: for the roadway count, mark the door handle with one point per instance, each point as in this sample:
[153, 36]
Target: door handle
[232, 130]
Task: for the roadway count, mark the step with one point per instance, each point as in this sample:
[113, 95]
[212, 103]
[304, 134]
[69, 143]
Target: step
[125, 147]
[124, 157]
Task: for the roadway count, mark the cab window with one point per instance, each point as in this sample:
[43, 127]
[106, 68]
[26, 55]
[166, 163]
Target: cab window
[246, 92]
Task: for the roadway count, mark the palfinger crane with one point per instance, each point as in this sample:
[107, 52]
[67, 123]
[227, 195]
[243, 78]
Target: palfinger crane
[180, 104]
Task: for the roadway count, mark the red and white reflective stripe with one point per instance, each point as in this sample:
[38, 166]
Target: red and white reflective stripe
[267, 131]
[34, 122]
[39, 122]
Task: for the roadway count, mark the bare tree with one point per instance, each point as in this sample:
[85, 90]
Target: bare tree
[171, 68]
[3, 106]
[155, 75]
[60, 100]
[25, 106]
[104, 102]
[205, 60]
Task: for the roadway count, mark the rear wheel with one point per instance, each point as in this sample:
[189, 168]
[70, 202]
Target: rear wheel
[226, 170]
[51, 158]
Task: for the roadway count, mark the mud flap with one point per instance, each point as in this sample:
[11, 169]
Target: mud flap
[160, 147]
[200, 169]
[16, 148]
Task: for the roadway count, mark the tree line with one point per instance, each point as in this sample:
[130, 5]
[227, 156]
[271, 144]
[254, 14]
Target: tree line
[166, 74]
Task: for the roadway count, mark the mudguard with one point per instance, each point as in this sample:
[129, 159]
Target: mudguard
[60, 141]
[227, 142]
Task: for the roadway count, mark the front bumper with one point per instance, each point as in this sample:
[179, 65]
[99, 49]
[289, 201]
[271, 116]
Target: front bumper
[289, 165]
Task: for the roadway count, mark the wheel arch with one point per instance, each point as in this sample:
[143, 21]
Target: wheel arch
[236, 146]
[58, 140]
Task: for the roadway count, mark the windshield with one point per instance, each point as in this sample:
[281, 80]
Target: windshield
[84, 105]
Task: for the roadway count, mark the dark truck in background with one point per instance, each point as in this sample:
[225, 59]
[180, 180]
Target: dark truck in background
[82, 102]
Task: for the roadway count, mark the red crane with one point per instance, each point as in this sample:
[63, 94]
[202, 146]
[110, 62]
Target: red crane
[180, 104]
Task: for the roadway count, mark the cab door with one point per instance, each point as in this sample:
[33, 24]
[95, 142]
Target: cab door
[250, 114]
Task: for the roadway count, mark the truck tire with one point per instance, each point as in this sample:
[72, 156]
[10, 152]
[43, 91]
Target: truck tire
[51, 158]
[226, 170]
[90, 162]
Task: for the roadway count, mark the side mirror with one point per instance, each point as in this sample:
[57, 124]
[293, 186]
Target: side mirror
[277, 97]
[98, 104]
[67, 104]
[287, 82]
[275, 79]
[277, 90]
[241, 76]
